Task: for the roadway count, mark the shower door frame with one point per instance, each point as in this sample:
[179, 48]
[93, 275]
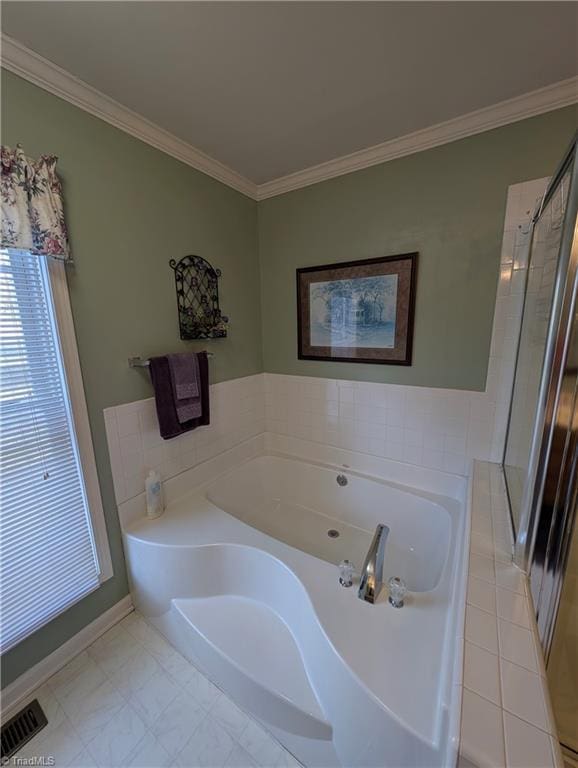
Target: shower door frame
[552, 380]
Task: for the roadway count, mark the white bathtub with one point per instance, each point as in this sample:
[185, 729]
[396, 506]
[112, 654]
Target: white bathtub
[241, 576]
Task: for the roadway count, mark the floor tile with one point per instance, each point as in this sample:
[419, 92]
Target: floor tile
[178, 721]
[113, 650]
[154, 696]
[149, 637]
[481, 672]
[134, 624]
[286, 760]
[522, 694]
[260, 745]
[176, 665]
[71, 686]
[149, 753]
[93, 712]
[201, 688]
[526, 746]
[69, 671]
[135, 672]
[227, 714]
[240, 759]
[209, 746]
[84, 760]
[32, 748]
[115, 742]
[51, 708]
[63, 745]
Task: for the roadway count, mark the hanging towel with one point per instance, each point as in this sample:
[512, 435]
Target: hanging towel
[169, 423]
[185, 374]
[184, 370]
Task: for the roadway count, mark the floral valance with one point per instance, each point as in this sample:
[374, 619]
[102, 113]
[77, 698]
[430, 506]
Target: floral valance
[32, 210]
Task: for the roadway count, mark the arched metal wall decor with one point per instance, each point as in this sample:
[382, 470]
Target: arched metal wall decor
[197, 285]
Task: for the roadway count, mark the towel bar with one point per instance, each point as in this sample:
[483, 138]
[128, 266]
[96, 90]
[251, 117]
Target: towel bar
[138, 362]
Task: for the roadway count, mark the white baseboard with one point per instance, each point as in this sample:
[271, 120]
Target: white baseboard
[15, 694]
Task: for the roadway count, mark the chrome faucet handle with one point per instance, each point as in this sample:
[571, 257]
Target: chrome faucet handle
[397, 591]
[346, 571]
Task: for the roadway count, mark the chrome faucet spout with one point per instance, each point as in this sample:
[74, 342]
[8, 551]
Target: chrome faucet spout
[372, 572]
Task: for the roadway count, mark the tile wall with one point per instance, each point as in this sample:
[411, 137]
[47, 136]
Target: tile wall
[135, 445]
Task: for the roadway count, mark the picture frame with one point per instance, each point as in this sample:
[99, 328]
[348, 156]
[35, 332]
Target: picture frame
[358, 311]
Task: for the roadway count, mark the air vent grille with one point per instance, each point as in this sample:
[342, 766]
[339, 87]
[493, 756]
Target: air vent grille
[21, 728]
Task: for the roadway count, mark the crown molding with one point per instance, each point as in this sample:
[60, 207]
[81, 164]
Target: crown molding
[36, 69]
[537, 102]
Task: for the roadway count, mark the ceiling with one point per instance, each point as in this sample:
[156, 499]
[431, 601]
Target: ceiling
[270, 88]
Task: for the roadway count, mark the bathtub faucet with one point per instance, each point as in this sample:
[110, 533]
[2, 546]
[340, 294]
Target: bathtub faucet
[372, 572]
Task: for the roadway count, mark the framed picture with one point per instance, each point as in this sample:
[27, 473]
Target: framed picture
[358, 311]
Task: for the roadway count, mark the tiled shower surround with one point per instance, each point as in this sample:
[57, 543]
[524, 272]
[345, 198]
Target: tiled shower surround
[436, 428]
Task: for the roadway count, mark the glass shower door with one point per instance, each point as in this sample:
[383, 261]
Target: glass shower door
[538, 307]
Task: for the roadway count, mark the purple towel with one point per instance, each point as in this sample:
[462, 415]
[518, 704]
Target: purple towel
[184, 370]
[185, 374]
[165, 402]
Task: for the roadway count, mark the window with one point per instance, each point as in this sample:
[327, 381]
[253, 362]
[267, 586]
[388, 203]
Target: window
[53, 547]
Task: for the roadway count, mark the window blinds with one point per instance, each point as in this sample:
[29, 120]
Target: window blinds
[48, 556]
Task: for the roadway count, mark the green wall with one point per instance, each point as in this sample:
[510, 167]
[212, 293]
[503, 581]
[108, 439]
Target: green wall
[448, 203]
[130, 208]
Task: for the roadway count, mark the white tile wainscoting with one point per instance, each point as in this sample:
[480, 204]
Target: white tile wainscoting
[135, 445]
[435, 428]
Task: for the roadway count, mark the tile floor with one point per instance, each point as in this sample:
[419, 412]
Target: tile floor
[132, 700]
